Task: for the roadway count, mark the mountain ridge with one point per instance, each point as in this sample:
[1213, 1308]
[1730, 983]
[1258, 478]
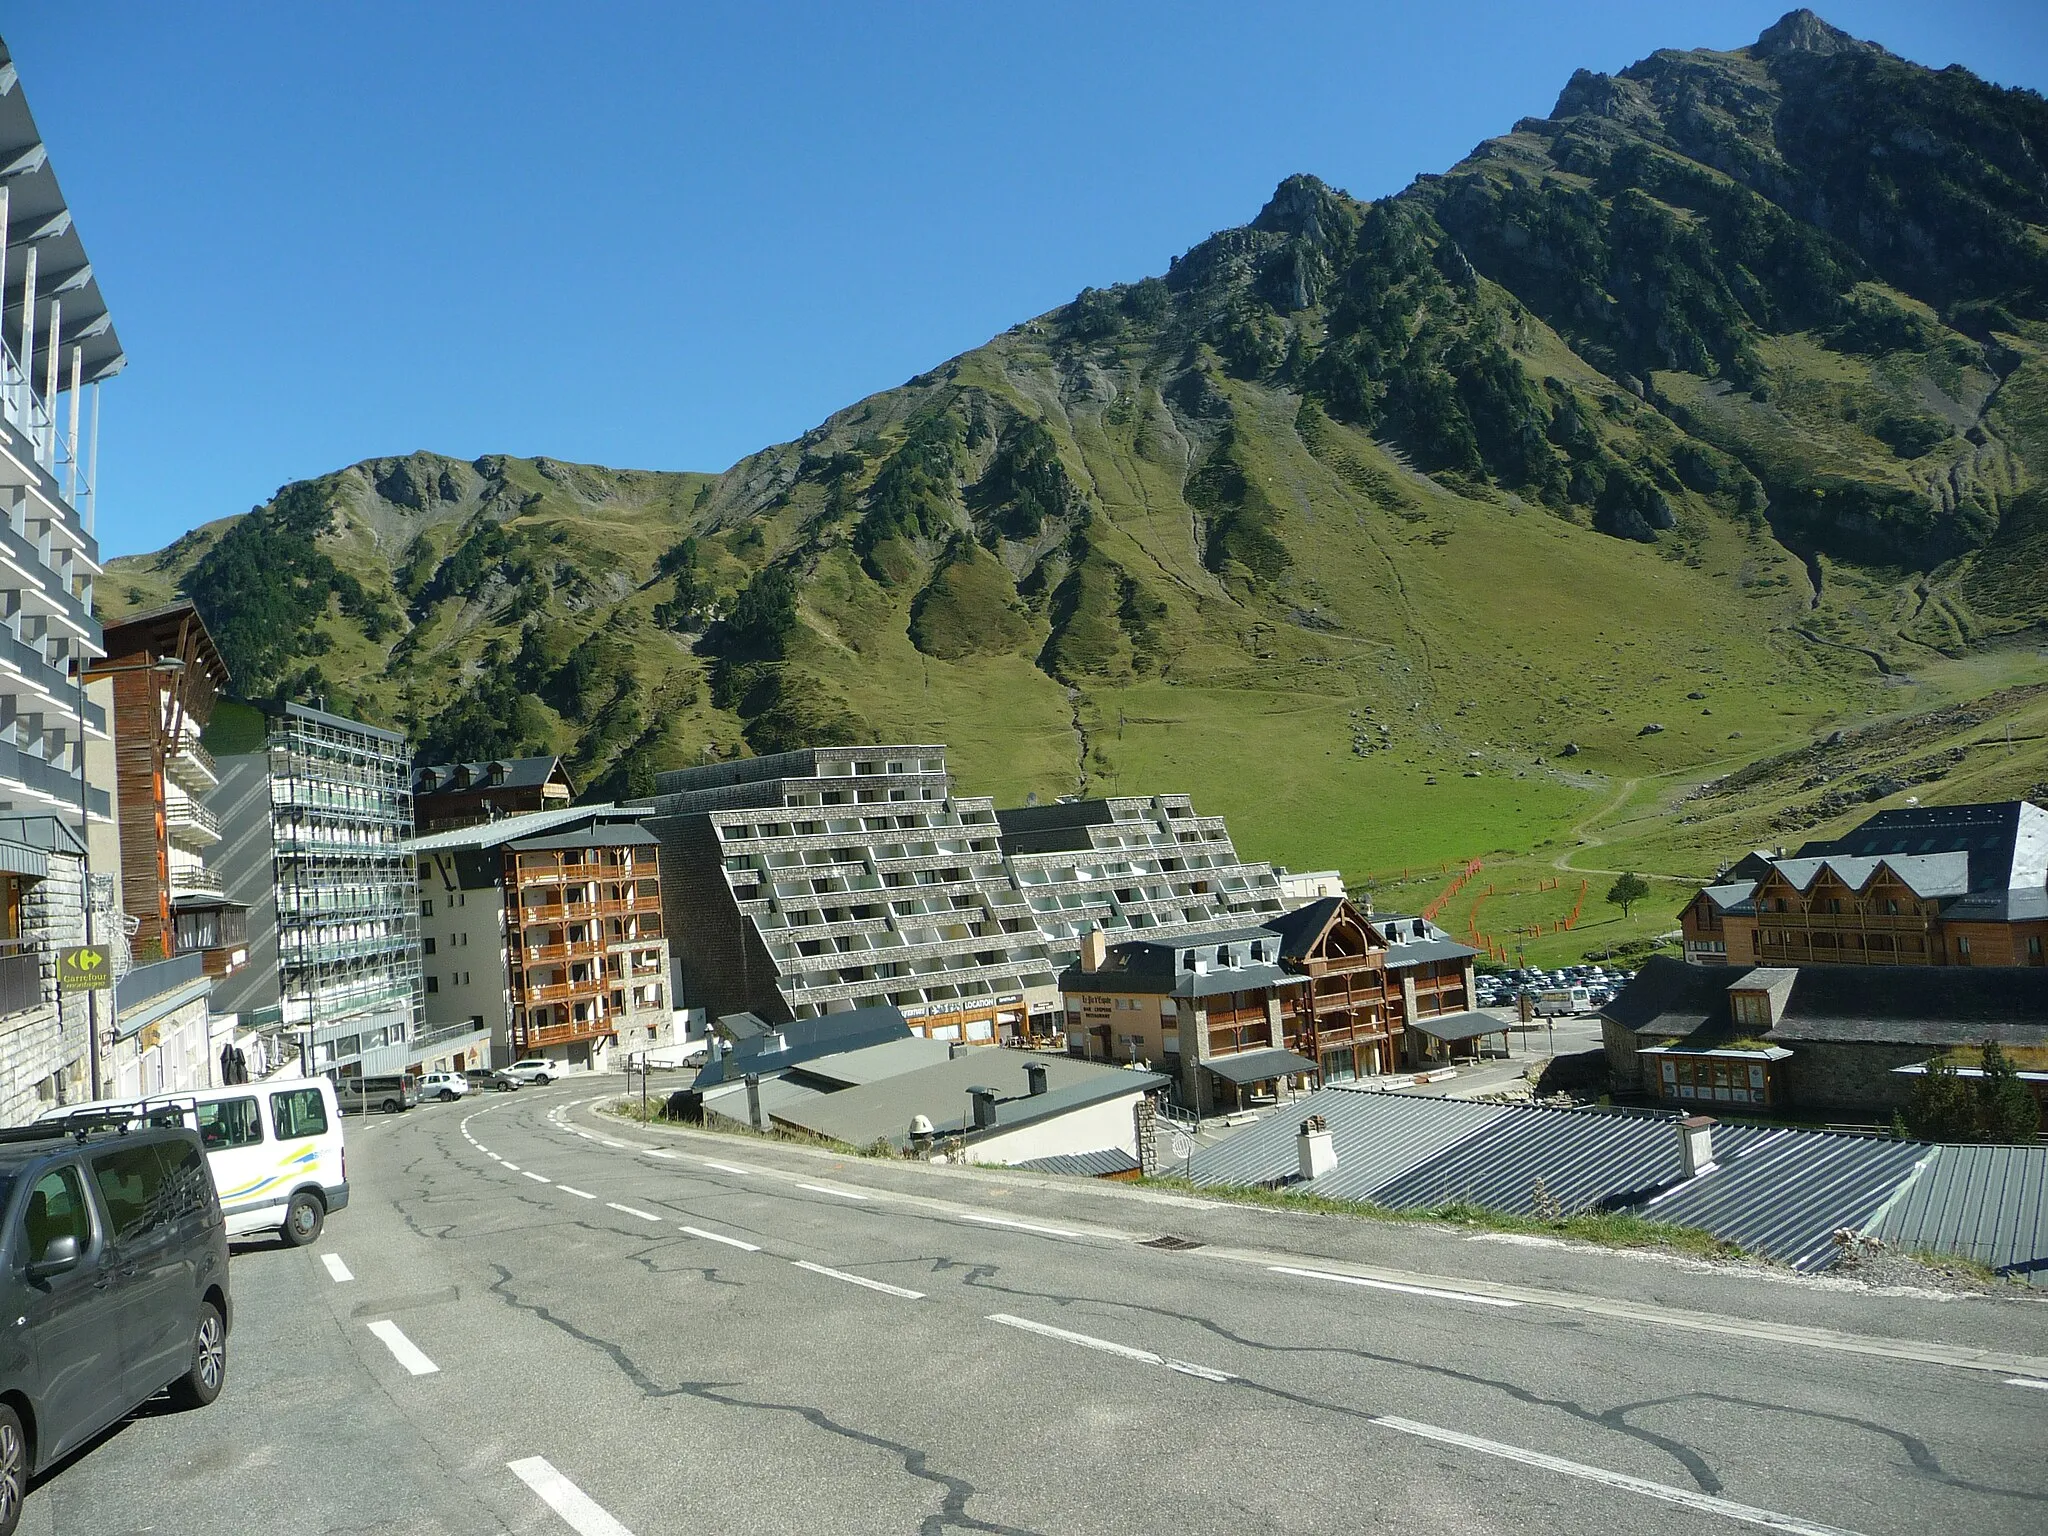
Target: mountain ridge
[1337, 485]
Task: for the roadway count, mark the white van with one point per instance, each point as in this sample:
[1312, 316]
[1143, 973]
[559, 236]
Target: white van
[274, 1149]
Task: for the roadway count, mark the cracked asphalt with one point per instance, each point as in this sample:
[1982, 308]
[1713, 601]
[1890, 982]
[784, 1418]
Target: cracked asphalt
[1027, 1365]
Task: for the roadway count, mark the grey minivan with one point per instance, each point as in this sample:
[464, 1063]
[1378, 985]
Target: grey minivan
[114, 1260]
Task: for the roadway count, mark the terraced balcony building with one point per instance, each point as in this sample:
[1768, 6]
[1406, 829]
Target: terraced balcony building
[315, 830]
[832, 878]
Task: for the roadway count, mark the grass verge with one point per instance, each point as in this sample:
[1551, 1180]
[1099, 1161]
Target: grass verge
[1609, 1229]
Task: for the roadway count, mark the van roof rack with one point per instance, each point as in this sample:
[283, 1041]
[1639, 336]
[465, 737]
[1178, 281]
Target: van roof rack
[118, 1119]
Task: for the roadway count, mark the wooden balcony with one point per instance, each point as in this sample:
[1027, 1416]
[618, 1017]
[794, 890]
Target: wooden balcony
[531, 1037]
[592, 950]
[1837, 922]
[597, 989]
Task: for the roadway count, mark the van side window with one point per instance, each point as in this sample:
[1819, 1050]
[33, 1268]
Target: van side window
[56, 1208]
[230, 1123]
[188, 1187]
[131, 1181]
[298, 1112]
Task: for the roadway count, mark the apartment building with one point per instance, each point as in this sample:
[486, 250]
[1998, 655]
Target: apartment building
[448, 795]
[832, 878]
[1947, 885]
[1131, 866]
[314, 835]
[57, 344]
[541, 935]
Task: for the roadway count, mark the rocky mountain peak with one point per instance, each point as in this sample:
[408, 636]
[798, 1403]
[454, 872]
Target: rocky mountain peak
[1801, 31]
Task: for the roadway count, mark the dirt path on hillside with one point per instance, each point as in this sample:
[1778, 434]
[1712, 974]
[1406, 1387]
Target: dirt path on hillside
[1587, 838]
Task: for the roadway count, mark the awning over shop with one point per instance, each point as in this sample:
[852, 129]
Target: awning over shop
[1249, 1067]
[1458, 1026]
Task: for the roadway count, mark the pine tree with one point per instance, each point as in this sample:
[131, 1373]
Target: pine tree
[1942, 1107]
[2006, 1111]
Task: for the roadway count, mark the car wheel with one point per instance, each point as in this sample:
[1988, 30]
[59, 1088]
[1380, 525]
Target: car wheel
[447, 1095]
[390, 1106]
[541, 1079]
[13, 1469]
[304, 1218]
[202, 1383]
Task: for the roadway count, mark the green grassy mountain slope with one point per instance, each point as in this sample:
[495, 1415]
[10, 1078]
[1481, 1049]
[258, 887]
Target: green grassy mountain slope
[1670, 432]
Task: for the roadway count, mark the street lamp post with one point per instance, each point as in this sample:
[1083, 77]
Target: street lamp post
[92, 1012]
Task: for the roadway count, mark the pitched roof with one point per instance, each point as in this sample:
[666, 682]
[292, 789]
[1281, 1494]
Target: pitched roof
[527, 824]
[1468, 1025]
[1985, 1203]
[2005, 844]
[1300, 928]
[781, 1046]
[1088, 1165]
[518, 773]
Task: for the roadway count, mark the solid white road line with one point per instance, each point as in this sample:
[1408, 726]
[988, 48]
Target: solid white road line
[1685, 1498]
[537, 1177]
[1108, 1347]
[821, 1189]
[1021, 1226]
[874, 1285]
[1390, 1285]
[724, 1167]
[632, 1210]
[580, 1194]
[720, 1237]
[2026, 1381]
[336, 1268]
[403, 1349]
[583, 1514]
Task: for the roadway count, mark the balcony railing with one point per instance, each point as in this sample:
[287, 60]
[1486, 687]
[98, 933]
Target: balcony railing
[193, 767]
[190, 823]
[195, 880]
[1874, 922]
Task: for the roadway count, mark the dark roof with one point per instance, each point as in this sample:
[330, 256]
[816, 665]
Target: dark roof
[1300, 928]
[518, 773]
[883, 1109]
[1088, 1165]
[594, 825]
[1052, 828]
[1416, 952]
[1457, 1026]
[2006, 843]
[785, 1045]
[1248, 1067]
[611, 835]
[156, 630]
[1901, 1005]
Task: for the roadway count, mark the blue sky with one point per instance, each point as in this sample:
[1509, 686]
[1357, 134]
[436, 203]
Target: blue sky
[663, 236]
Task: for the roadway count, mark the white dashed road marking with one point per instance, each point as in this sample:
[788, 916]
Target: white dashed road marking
[1021, 1226]
[821, 1189]
[536, 1177]
[1390, 1285]
[2026, 1381]
[632, 1210]
[406, 1352]
[724, 1167]
[580, 1194]
[1108, 1347]
[874, 1285]
[509, 1167]
[657, 1152]
[720, 1237]
[583, 1514]
[336, 1268]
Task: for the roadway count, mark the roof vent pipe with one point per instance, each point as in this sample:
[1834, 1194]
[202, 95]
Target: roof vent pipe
[1696, 1145]
[984, 1107]
[1034, 1074]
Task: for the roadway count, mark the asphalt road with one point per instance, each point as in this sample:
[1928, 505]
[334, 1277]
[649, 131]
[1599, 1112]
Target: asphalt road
[535, 1319]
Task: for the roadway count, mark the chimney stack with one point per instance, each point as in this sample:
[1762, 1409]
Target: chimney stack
[1034, 1074]
[1695, 1145]
[984, 1107]
[1316, 1150]
[1094, 950]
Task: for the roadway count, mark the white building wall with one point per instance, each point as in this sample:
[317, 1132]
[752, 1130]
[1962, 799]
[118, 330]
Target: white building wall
[1098, 1127]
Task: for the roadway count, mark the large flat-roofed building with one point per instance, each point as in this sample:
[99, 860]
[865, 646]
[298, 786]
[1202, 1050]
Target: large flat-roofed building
[57, 343]
[541, 935]
[1925, 885]
[833, 878]
[315, 830]
[1133, 867]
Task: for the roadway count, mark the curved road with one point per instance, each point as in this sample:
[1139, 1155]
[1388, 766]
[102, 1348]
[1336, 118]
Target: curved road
[534, 1318]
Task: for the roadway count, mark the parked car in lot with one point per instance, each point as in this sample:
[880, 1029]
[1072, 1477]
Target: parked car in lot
[273, 1149]
[445, 1086]
[360, 1095]
[486, 1080]
[537, 1070]
[114, 1261]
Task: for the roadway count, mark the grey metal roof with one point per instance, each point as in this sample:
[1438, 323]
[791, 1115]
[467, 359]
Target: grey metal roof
[1087, 1165]
[1377, 1136]
[515, 773]
[1777, 1191]
[1258, 1066]
[1458, 1026]
[782, 1046]
[602, 836]
[1417, 951]
[1985, 1203]
[1732, 895]
[870, 1064]
[860, 1115]
[1784, 1193]
[510, 829]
